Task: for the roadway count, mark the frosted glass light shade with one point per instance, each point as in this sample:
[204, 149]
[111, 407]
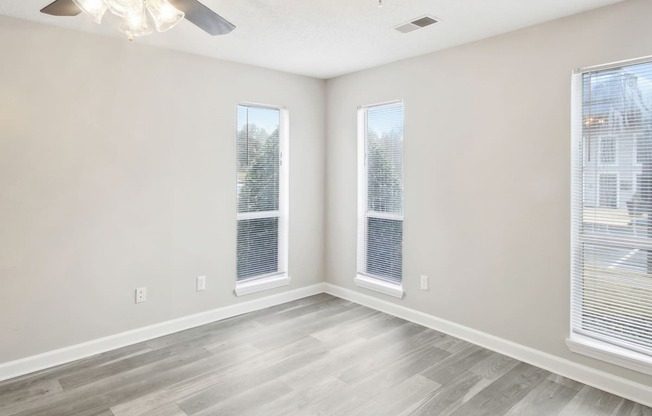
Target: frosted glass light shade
[165, 15]
[136, 24]
[93, 8]
[125, 8]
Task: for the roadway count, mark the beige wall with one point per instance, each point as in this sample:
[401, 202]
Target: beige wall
[487, 173]
[117, 170]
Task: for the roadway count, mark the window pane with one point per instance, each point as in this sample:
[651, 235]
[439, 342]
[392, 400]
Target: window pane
[615, 288]
[258, 159]
[257, 247]
[385, 158]
[384, 248]
[608, 150]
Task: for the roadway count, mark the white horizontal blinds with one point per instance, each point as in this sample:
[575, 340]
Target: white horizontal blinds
[258, 189]
[612, 206]
[382, 254]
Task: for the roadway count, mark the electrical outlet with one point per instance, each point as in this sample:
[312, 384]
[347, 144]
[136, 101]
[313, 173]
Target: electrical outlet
[201, 283]
[141, 294]
[424, 282]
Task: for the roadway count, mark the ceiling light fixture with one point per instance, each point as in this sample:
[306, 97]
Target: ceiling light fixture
[135, 14]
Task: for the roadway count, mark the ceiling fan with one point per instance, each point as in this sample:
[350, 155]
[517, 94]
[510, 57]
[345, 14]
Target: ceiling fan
[136, 14]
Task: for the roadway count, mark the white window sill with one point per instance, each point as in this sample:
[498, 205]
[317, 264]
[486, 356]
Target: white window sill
[610, 353]
[377, 285]
[258, 285]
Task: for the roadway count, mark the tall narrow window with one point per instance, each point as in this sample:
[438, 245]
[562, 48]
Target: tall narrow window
[261, 193]
[612, 224]
[380, 196]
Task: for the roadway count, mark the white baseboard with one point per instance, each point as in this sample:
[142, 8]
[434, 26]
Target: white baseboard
[604, 381]
[38, 362]
[584, 374]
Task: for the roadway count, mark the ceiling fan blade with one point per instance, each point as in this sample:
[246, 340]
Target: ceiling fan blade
[203, 17]
[61, 8]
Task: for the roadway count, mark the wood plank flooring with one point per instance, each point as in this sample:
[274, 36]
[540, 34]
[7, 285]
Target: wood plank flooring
[316, 356]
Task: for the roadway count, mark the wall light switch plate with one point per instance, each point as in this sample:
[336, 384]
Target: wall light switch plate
[424, 282]
[141, 294]
[201, 283]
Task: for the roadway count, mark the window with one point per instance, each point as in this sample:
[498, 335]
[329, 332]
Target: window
[380, 198]
[612, 226]
[261, 195]
[608, 150]
[608, 190]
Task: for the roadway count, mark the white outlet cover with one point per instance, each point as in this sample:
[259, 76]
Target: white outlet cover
[424, 282]
[201, 283]
[141, 294]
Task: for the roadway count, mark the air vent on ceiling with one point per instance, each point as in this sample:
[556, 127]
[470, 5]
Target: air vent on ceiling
[416, 24]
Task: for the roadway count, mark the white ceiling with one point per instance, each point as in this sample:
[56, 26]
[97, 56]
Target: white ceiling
[327, 38]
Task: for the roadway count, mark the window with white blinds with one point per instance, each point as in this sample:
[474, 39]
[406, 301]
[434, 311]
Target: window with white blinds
[380, 188]
[612, 207]
[261, 189]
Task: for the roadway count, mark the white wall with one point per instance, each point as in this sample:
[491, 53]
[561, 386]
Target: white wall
[117, 170]
[487, 173]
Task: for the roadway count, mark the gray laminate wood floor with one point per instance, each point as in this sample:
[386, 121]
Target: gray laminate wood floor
[316, 356]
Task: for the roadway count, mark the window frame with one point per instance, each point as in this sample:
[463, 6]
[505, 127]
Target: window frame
[281, 277]
[594, 345]
[363, 279]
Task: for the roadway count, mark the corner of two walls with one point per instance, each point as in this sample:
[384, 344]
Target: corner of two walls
[105, 189]
[487, 176]
[117, 171]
